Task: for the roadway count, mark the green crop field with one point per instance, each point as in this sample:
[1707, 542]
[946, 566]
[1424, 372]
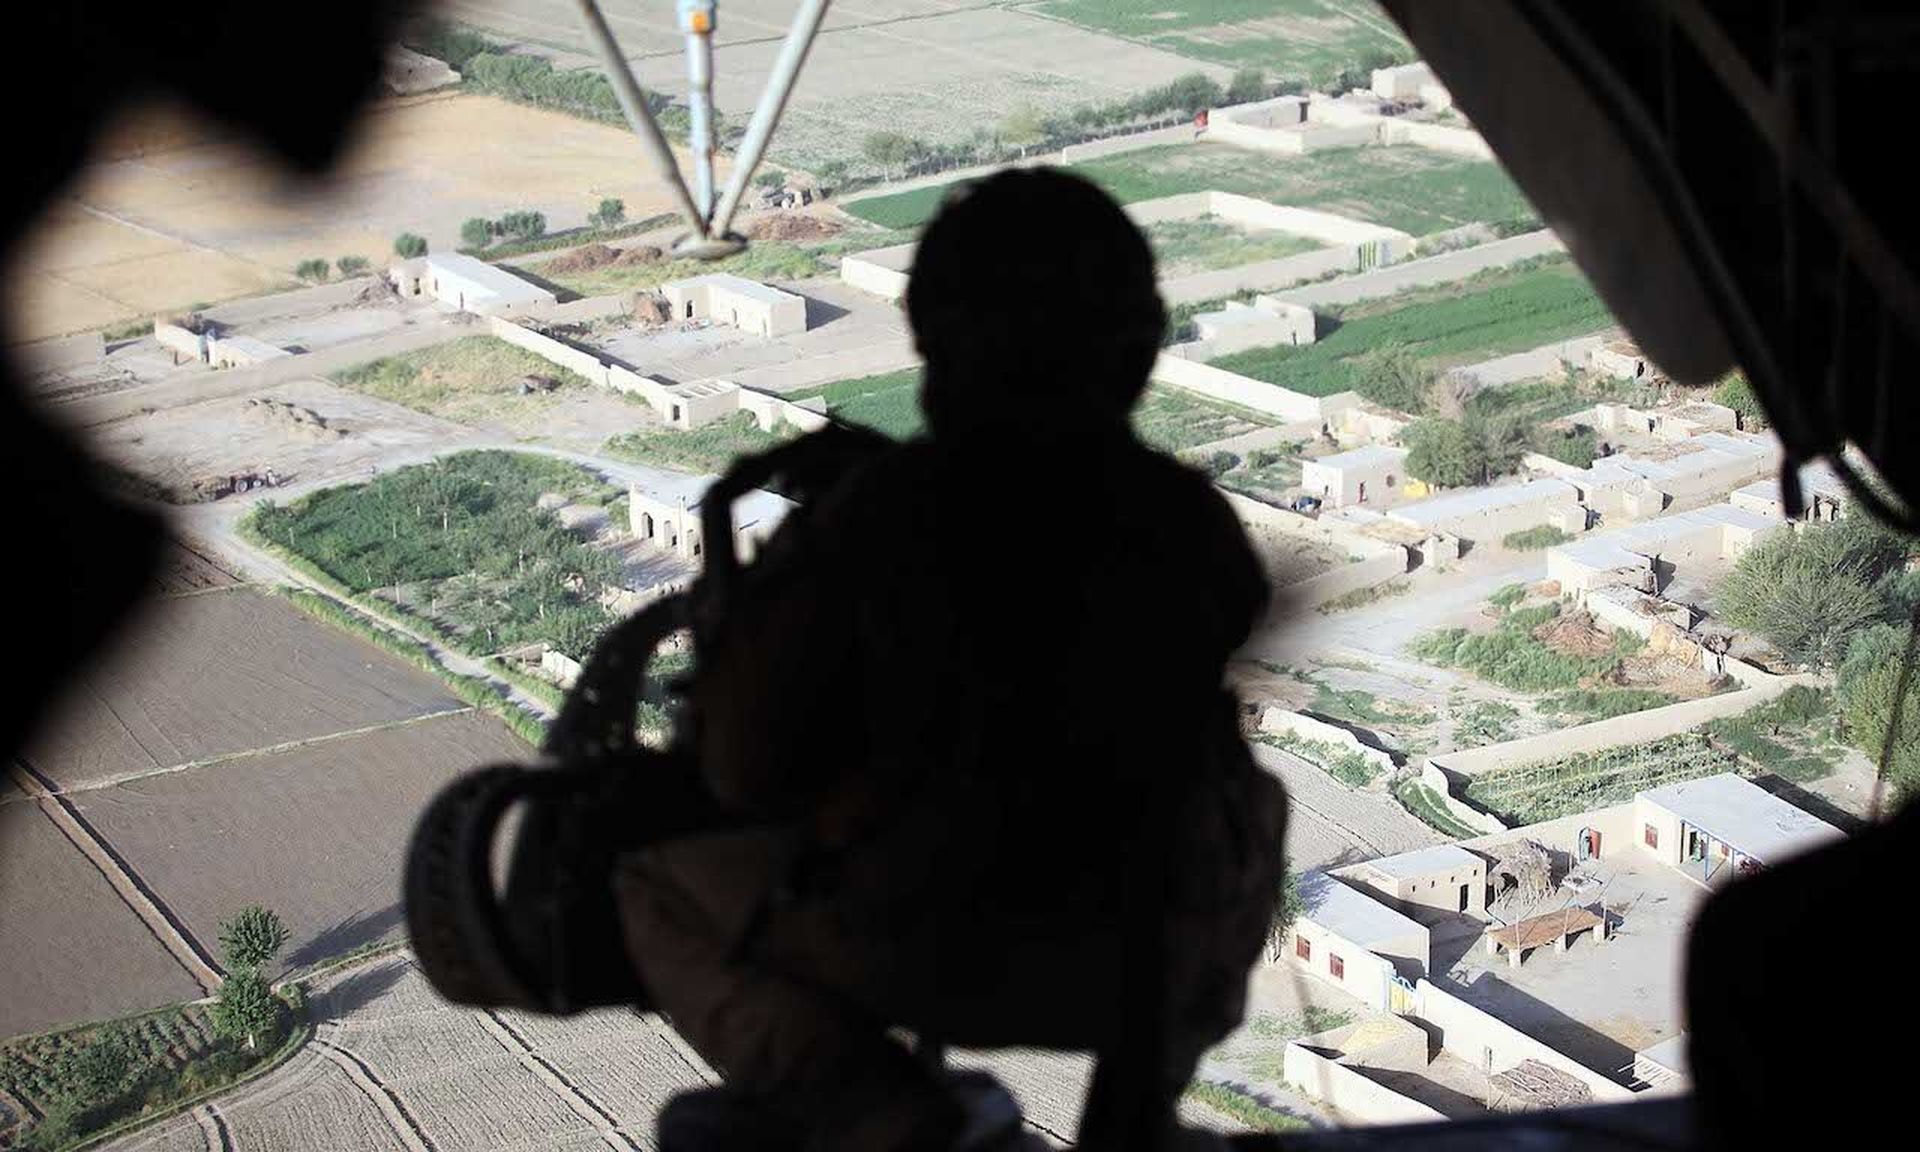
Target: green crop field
[1530, 793]
[1303, 39]
[1166, 418]
[1413, 189]
[1493, 315]
[461, 544]
[708, 448]
[1183, 247]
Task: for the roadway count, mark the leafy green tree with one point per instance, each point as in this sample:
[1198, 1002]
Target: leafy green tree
[890, 150]
[1285, 912]
[1023, 128]
[245, 1008]
[252, 937]
[476, 232]
[315, 269]
[407, 245]
[609, 213]
[1869, 681]
[771, 179]
[1247, 85]
[91, 1074]
[1442, 453]
[1396, 378]
[1810, 592]
[522, 225]
[350, 266]
[832, 173]
[1736, 393]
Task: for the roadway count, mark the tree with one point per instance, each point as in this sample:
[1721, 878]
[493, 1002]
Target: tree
[1247, 85]
[1868, 682]
[522, 225]
[1809, 593]
[1023, 128]
[890, 150]
[609, 213]
[1736, 393]
[407, 245]
[1285, 912]
[350, 266]
[1396, 378]
[315, 269]
[91, 1074]
[1442, 453]
[476, 232]
[771, 179]
[252, 937]
[245, 1008]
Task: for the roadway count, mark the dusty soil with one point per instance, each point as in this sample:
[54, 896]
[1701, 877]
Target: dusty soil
[790, 226]
[221, 673]
[304, 430]
[184, 569]
[74, 950]
[175, 213]
[587, 257]
[317, 833]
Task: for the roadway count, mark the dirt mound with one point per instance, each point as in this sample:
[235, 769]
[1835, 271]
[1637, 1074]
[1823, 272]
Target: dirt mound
[584, 259]
[291, 419]
[1574, 633]
[789, 226]
[640, 254]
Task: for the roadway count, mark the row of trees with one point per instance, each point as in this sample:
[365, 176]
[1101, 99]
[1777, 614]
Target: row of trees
[1840, 596]
[478, 231]
[1027, 129]
[317, 270]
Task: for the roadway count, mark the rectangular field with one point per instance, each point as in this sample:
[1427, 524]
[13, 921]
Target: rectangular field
[176, 212]
[1183, 247]
[935, 70]
[1165, 418]
[1413, 189]
[316, 833]
[1507, 311]
[224, 672]
[73, 949]
[1311, 40]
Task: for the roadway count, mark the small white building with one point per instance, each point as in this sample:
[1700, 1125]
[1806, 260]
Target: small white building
[1354, 942]
[1428, 884]
[1718, 827]
[468, 284]
[1644, 556]
[1402, 81]
[1262, 324]
[665, 513]
[1823, 495]
[1372, 472]
[748, 305]
[1492, 513]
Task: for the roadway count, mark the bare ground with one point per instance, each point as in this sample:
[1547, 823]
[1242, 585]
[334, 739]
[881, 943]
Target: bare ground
[221, 673]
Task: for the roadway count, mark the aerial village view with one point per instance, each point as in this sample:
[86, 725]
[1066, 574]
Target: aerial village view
[1549, 661]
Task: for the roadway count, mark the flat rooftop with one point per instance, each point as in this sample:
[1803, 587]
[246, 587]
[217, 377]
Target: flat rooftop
[1347, 913]
[501, 283]
[1454, 505]
[1425, 861]
[738, 285]
[1745, 815]
[1365, 456]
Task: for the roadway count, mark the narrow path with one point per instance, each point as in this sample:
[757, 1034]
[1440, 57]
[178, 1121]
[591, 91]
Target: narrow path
[160, 920]
[1442, 269]
[214, 1127]
[574, 1097]
[404, 1126]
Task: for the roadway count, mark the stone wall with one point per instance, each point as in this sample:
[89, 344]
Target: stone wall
[1355, 1097]
[1472, 1034]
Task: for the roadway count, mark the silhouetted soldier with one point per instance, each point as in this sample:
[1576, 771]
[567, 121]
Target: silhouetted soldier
[980, 705]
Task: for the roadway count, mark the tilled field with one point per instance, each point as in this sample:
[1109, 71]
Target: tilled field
[317, 832]
[65, 935]
[222, 673]
[394, 1067]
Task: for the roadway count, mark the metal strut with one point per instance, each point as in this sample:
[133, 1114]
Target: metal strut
[710, 238]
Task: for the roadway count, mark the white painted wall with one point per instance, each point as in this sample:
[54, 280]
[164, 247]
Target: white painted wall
[1356, 1098]
[1285, 722]
[881, 271]
[1471, 1034]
